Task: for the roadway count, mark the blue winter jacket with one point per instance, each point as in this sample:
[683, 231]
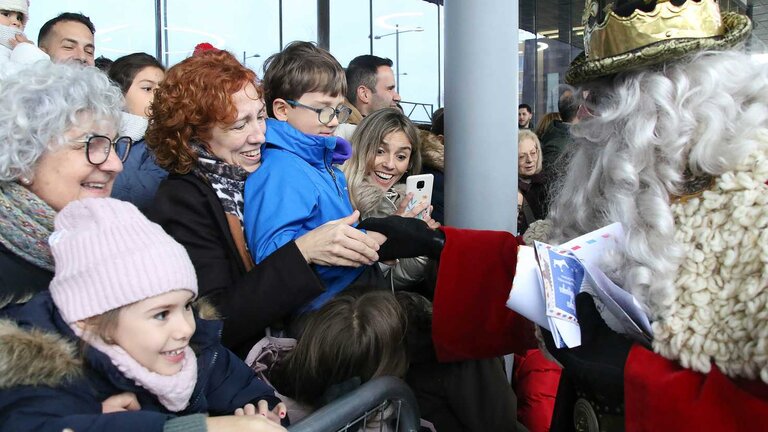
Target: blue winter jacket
[45, 387]
[296, 190]
[140, 178]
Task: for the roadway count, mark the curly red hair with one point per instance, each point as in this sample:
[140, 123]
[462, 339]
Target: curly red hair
[195, 96]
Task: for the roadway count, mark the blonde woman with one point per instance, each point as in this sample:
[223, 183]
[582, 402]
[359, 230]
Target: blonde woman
[386, 147]
[531, 185]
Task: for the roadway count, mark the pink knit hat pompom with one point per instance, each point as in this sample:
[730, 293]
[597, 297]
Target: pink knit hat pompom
[108, 255]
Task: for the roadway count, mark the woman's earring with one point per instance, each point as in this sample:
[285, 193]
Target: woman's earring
[26, 181]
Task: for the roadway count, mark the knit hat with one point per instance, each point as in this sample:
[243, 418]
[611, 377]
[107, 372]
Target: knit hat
[16, 6]
[108, 255]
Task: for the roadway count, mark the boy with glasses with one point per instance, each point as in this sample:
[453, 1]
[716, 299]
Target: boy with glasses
[298, 187]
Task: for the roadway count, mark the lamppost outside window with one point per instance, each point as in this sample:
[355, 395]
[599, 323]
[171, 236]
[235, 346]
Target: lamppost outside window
[246, 57]
[397, 34]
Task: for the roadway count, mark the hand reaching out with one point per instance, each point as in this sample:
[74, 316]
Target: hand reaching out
[337, 243]
[406, 237]
[278, 412]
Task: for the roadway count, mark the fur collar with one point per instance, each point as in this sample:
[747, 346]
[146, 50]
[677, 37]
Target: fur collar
[433, 154]
[356, 117]
[30, 356]
[35, 357]
[372, 201]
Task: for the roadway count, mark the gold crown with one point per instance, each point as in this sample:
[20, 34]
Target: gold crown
[618, 35]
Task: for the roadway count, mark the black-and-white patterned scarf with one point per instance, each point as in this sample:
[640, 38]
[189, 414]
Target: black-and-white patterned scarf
[227, 180]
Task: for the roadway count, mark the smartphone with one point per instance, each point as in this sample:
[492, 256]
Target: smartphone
[421, 188]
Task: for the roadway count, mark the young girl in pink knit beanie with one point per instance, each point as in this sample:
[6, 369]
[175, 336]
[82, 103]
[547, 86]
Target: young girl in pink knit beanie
[116, 345]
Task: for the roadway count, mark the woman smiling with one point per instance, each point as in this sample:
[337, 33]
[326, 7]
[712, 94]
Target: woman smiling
[58, 128]
[386, 146]
[207, 129]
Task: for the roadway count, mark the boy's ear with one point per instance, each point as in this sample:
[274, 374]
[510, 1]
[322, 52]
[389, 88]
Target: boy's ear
[363, 94]
[280, 109]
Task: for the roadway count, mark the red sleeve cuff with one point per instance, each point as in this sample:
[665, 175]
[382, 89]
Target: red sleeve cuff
[471, 320]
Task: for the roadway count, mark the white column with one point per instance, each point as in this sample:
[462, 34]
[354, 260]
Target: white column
[481, 84]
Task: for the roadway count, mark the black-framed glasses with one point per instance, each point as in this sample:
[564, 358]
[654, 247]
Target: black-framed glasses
[326, 114]
[97, 148]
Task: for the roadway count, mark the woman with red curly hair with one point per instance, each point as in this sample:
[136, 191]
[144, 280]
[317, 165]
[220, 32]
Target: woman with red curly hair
[207, 129]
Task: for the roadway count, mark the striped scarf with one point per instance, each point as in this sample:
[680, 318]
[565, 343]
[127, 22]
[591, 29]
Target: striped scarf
[26, 222]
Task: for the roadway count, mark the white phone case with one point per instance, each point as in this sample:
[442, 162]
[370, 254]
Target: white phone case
[421, 188]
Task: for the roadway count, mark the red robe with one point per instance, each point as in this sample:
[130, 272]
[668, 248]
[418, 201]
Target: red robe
[471, 320]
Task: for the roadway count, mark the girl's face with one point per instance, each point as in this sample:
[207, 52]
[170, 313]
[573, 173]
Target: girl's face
[64, 174]
[12, 19]
[240, 143]
[391, 161]
[141, 93]
[155, 331]
[527, 157]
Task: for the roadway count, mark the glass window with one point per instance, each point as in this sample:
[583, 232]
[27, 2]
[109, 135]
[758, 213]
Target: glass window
[406, 31]
[299, 20]
[349, 25]
[550, 37]
[251, 32]
[117, 34]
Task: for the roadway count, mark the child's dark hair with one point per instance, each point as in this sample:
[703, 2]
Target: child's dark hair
[123, 70]
[349, 337]
[301, 68]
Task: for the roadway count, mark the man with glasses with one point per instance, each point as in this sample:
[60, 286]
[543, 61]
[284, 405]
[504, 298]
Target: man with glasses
[298, 187]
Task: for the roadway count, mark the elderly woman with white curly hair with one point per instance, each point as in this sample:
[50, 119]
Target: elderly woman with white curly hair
[58, 143]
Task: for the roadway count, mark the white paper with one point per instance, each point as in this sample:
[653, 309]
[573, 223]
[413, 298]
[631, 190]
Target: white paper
[525, 297]
[590, 247]
[547, 279]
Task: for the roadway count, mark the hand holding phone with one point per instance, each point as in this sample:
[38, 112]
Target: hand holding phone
[420, 189]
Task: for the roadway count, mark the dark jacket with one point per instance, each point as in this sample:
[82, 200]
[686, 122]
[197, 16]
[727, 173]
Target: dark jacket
[141, 176]
[47, 384]
[189, 210]
[535, 194]
[20, 279]
[553, 142]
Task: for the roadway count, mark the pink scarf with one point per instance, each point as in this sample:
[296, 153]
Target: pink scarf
[172, 391]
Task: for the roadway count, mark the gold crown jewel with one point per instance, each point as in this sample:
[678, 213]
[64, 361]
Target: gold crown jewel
[645, 23]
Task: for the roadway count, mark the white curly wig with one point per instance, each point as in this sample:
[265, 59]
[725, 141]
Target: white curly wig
[704, 114]
[42, 102]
